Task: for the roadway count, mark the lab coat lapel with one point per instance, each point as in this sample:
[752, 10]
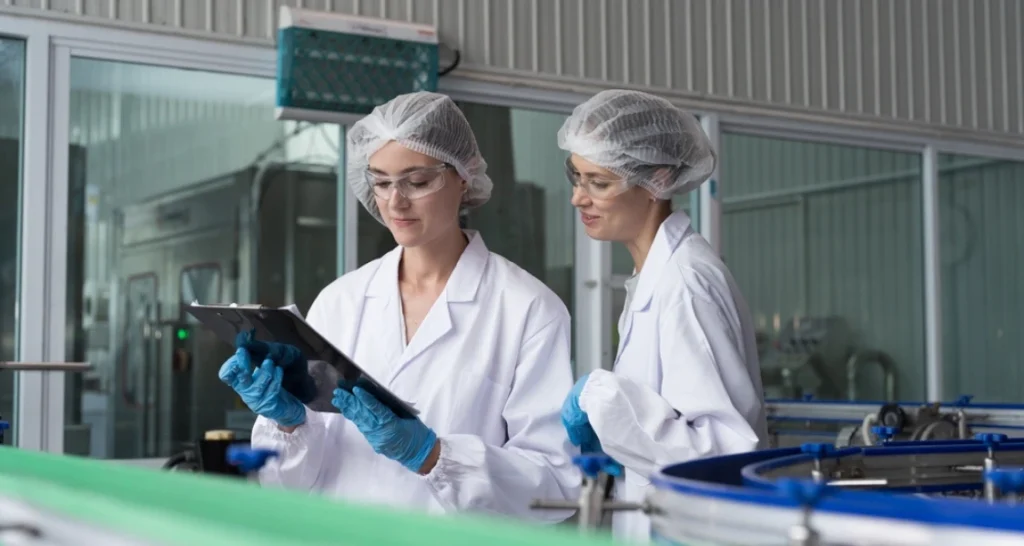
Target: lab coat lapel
[461, 287]
[672, 232]
[382, 304]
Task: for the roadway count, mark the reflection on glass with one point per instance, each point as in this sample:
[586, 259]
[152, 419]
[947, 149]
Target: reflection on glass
[12, 101]
[529, 219]
[182, 188]
[980, 203]
[825, 242]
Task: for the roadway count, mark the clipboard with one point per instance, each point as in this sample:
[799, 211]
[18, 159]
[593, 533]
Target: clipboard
[328, 366]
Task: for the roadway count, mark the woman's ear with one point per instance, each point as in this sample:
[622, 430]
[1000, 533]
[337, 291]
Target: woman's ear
[662, 178]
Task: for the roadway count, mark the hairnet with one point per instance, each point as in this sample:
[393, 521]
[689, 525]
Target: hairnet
[642, 138]
[428, 123]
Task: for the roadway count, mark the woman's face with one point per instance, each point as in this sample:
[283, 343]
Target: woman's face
[418, 196]
[620, 216]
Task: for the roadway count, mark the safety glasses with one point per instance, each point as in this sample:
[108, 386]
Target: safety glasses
[595, 187]
[411, 185]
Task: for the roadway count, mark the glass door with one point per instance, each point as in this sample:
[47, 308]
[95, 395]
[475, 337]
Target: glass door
[12, 106]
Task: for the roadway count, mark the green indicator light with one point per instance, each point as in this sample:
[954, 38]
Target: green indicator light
[182, 334]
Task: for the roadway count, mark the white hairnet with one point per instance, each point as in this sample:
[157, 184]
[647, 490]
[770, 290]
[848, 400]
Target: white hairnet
[637, 136]
[424, 122]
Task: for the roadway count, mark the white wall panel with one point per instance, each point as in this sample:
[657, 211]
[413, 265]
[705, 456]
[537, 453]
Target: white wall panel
[956, 63]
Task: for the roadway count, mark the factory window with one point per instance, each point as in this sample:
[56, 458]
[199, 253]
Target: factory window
[182, 187]
[982, 270]
[825, 242]
[12, 102]
[529, 219]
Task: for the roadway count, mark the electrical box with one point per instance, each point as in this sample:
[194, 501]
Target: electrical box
[336, 68]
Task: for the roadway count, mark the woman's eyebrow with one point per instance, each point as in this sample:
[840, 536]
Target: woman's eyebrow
[406, 170]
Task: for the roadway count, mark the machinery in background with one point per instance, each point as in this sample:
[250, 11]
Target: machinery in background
[221, 240]
[220, 452]
[816, 356]
[792, 423]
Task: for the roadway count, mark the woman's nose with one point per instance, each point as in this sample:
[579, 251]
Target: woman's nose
[579, 197]
[398, 201]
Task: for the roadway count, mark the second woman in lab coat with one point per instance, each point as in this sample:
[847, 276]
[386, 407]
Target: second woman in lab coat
[686, 382]
[473, 342]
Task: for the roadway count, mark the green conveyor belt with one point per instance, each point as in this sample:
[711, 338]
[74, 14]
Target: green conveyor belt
[192, 509]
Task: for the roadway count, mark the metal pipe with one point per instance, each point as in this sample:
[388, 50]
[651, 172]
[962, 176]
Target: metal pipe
[865, 428]
[932, 271]
[46, 366]
[961, 424]
[884, 361]
[990, 489]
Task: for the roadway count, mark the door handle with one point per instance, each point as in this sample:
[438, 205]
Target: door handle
[46, 366]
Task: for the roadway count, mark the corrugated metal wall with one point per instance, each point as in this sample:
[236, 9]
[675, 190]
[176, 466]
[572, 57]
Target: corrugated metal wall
[950, 62]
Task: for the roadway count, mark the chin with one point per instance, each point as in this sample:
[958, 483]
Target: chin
[597, 234]
[408, 238]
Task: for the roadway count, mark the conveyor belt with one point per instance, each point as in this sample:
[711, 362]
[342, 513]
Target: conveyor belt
[85, 499]
[782, 496]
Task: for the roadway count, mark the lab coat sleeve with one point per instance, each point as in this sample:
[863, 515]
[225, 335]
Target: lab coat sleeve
[706, 390]
[300, 452]
[535, 462]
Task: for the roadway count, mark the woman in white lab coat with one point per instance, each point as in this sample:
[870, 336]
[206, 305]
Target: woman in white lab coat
[686, 382]
[478, 346]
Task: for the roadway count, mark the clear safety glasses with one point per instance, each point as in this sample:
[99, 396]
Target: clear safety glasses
[595, 187]
[411, 185]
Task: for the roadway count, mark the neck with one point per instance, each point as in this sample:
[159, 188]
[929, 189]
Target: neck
[432, 263]
[640, 246]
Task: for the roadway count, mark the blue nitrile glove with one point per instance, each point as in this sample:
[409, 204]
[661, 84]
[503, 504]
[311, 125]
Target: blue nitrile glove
[577, 426]
[407, 441]
[261, 390]
[288, 357]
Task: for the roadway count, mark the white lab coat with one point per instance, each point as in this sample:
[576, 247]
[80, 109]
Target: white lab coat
[487, 369]
[686, 382]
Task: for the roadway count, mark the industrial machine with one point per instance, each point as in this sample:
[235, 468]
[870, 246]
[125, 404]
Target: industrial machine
[793, 422]
[217, 241]
[816, 356]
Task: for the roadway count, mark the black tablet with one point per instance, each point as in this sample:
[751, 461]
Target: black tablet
[328, 366]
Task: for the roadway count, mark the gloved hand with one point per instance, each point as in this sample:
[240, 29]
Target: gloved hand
[288, 357]
[261, 390]
[577, 426]
[407, 441]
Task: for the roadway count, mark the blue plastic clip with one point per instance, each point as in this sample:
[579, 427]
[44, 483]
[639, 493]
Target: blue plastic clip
[805, 492]
[1008, 482]
[592, 464]
[818, 450]
[884, 433]
[990, 439]
[248, 459]
[963, 400]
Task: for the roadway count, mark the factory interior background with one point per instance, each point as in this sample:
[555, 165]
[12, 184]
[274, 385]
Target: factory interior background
[151, 172]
